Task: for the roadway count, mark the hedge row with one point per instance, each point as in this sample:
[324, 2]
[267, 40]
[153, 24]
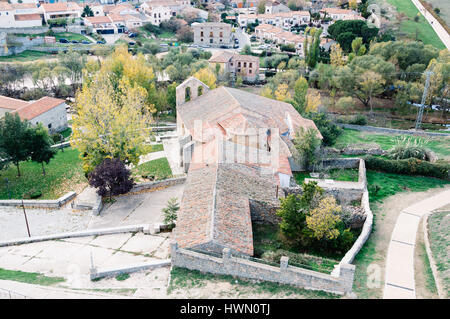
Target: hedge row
[411, 166]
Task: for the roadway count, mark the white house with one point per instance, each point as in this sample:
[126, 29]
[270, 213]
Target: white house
[281, 19]
[61, 10]
[20, 15]
[273, 6]
[48, 111]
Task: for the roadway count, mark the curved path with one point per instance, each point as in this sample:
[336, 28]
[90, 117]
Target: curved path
[399, 277]
[438, 28]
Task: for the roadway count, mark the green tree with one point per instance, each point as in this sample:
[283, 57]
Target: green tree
[307, 144]
[87, 12]
[15, 139]
[300, 91]
[40, 146]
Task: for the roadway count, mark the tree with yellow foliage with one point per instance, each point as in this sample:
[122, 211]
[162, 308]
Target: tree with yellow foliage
[267, 92]
[207, 76]
[282, 93]
[337, 55]
[312, 102]
[323, 219]
[113, 112]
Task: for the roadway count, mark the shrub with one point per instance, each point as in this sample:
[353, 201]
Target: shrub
[345, 103]
[358, 120]
[408, 148]
[307, 144]
[170, 212]
[411, 166]
[111, 177]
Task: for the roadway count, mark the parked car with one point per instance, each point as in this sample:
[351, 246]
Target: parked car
[163, 45]
[236, 40]
[131, 43]
[101, 42]
[132, 35]
[62, 40]
[74, 41]
[236, 46]
[85, 42]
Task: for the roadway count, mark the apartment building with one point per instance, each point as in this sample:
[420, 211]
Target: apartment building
[281, 19]
[280, 36]
[61, 10]
[213, 34]
[20, 15]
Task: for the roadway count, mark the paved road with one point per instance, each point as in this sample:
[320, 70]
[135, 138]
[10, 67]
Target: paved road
[438, 28]
[399, 277]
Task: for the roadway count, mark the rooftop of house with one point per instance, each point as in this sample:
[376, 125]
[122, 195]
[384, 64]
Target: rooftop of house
[257, 111]
[60, 6]
[225, 56]
[27, 17]
[215, 209]
[289, 14]
[212, 24]
[29, 110]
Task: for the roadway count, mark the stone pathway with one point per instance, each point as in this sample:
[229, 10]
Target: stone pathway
[399, 276]
[71, 259]
[151, 156]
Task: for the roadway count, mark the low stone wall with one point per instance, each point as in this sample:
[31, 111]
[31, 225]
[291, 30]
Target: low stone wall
[375, 129]
[151, 185]
[109, 272]
[339, 283]
[36, 203]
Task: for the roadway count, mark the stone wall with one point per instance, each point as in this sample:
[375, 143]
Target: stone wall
[193, 84]
[264, 212]
[151, 185]
[39, 203]
[339, 283]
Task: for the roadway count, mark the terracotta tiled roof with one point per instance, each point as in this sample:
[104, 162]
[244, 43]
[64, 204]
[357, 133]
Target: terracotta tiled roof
[215, 211]
[27, 17]
[98, 19]
[60, 6]
[228, 101]
[34, 109]
[10, 103]
[5, 6]
[221, 57]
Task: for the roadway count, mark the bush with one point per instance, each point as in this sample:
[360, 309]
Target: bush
[345, 103]
[411, 166]
[358, 120]
[407, 151]
[111, 177]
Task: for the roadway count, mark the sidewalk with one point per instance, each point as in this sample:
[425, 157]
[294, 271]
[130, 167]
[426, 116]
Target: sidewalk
[399, 276]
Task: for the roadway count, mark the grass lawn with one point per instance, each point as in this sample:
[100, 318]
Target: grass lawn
[439, 232]
[71, 36]
[157, 148]
[64, 173]
[439, 145]
[184, 280]
[27, 55]
[166, 35]
[390, 184]
[159, 168]
[29, 277]
[409, 28]
[66, 132]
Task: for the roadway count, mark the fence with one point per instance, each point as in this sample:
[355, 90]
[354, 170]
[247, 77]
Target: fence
[340, 282]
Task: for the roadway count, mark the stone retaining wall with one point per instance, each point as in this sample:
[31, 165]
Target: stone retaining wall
[264, 212]
[42, 203]
[375, 129]
[151, 185]
[339, 283]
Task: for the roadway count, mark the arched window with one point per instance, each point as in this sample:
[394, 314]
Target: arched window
[200, 90]
[187, 94]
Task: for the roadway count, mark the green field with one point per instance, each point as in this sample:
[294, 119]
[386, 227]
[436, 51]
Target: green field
[439, 145]
[411, 29]
[63, 174]
[29, 277]
[27, 55]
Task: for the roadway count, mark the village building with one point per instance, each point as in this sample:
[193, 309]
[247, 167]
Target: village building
[48, 111]
[213, 34]
[20, 15]
[237, 149]
[273, 6]
[281, 19]
[246, 66]
[340, 14]
[61, 10]
[280, 36]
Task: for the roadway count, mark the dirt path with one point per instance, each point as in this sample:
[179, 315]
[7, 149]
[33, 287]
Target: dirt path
[371, 268]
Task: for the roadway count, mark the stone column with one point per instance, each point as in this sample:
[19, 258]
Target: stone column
[284, 261]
